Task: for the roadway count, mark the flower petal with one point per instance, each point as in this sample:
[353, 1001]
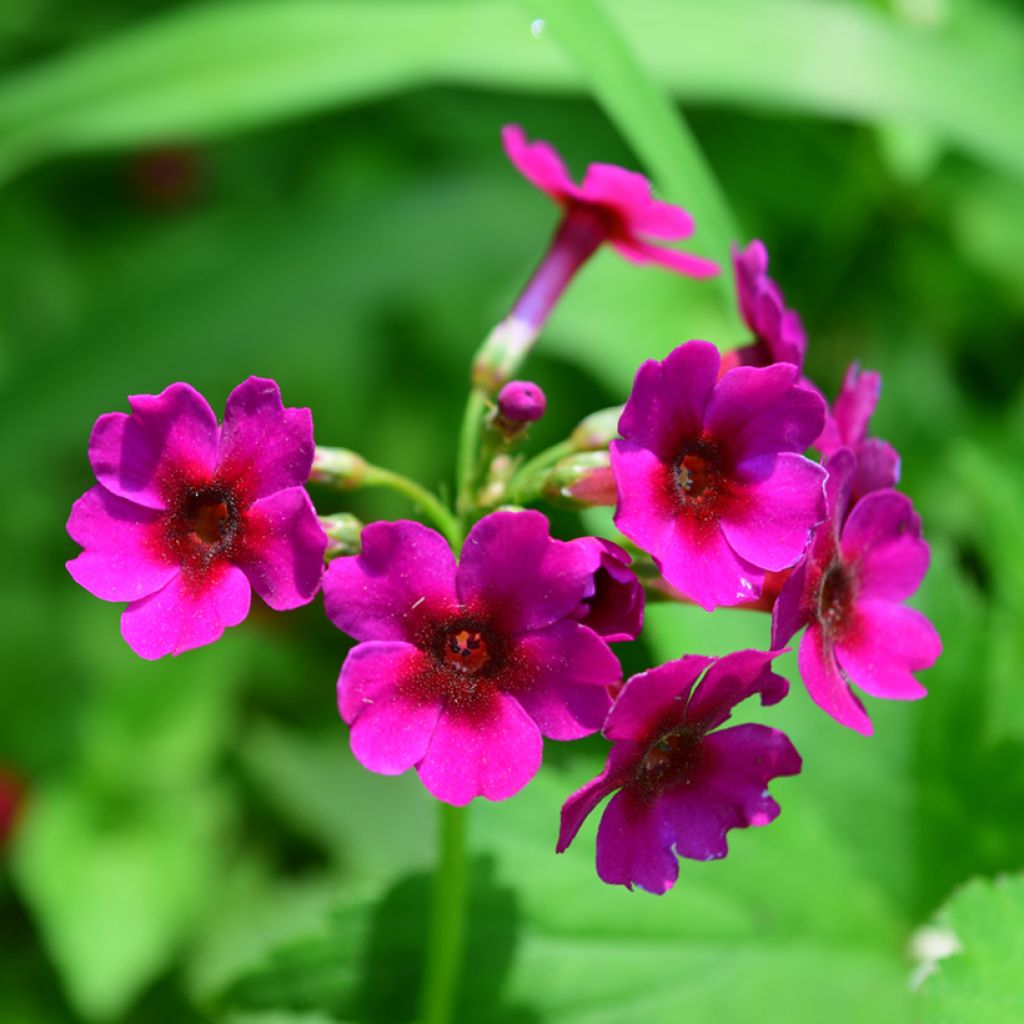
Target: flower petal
[791, 610]
[491, 752]
[391, 725]
[404, 578]
[637, 251]
[634, 846]
[187, 613]
[124, 557]
[167, 438]
[538, 163]
[657, 697]
[586, 798]
[264, 446]
[825, 684]
[561, 679]
[761, 410]
[512, 570]
[776, 500]
[283, 549]
[884, 645]
[882, 539]
[878, 466]
[733, 679]
[629, 194]
[645, 513]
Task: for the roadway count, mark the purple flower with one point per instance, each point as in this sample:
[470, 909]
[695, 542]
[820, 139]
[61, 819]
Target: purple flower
[778, 332]
[615, 610]
[612, 205]
[710, 478]
[188, 518]
[864, 562]
[846, 426]
[681, 785]
[460, 670]
[521, 401]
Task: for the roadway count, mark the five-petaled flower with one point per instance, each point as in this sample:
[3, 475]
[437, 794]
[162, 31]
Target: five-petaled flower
[681, 784]
[864, 562]
[461, 669]
[710, 476]
[188, 518]
[778, 331]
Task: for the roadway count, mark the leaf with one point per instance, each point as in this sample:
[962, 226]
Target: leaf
[982, 980]
[115, 889]
[214, 68]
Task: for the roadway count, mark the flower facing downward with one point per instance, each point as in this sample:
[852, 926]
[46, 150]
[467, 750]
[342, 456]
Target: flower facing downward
[846, 426]
[461, 669]
[849, 592]
[615, 610]
[778, 332]
[189, 517]
[681, 785]
[710, 476]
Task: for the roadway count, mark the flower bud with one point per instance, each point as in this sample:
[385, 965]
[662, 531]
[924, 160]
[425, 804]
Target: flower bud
[521, 401]
[597, 430]
[338, 467]
[584, 480]
[344, 534]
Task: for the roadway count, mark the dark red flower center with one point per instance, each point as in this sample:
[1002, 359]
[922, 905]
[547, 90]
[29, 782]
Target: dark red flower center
[668, 761]
[204, 523]
[699, 477]
[466, 651]
[835, 597]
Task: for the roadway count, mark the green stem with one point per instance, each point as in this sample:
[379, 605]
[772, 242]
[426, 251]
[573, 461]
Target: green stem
[437, 511]
[523, 485]
[467, 468]
[447, 918]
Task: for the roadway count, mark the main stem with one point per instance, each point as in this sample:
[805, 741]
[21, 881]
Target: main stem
[445, 941]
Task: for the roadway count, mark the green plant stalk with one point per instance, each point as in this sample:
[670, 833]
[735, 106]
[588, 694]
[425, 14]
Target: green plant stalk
[446, 938]
[524, 485]
[467, 465]
[435, 509]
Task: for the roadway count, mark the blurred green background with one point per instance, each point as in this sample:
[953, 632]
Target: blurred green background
[314, 190]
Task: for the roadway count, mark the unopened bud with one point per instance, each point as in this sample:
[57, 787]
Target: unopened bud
[344, 532]
[584, 480]
[521, 401]
[597, 430]
[338, 467]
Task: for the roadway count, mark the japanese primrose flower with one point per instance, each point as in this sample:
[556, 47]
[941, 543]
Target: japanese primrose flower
[864, 562]
[615, 610]
[710, 477]
[680, 782]
[188, 518]
[612, 205]
[461, 668]
[778, 331]
[846, 426]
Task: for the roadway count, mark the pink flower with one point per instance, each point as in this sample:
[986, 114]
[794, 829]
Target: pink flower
[612, 205]
[681, 785]
[849, 591]
[710, 476]
[461, 669]
[846, 426]
[188, 518]
[615, 610]
[778, 332]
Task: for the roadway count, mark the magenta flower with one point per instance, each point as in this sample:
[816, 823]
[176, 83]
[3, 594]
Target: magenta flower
[188, 518]
[612, 205]
[615, 610]
[846, 426]
[864, 562]
[778, 332]
[681, 785]
[521, 401]
[710, 478]
[460, 670]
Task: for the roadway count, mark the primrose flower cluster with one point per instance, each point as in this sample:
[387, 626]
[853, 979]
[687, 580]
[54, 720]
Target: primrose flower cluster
[480, 635]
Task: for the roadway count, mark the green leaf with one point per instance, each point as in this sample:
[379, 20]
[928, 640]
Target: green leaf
[982, 980]
[115, 889]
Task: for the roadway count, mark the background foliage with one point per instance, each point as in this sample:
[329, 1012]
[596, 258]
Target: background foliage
[313, 190]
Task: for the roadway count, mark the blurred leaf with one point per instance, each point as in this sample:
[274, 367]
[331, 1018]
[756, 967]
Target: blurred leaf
[648, 120]
[222, 67]
[115, 889]
[983, 980]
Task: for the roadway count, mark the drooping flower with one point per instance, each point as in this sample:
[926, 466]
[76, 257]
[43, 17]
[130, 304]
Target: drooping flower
[615, 610]
[778, 331]
[188, 518]
[612, 205]
[864, 562]
[682, 783]
[710, 476]
[461, 669]
[846, 426]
